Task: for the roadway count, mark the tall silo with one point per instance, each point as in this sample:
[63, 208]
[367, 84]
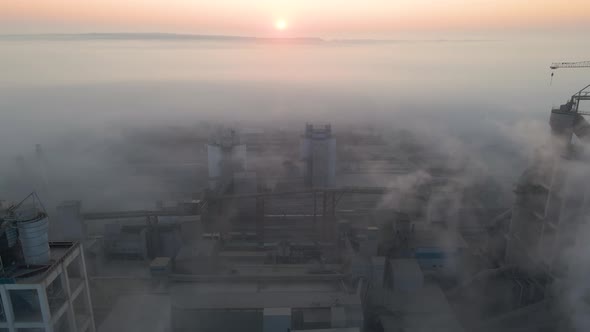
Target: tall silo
[33, 227]
[319, 155]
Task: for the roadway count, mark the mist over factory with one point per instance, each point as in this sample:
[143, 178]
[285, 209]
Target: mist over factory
[299, 226]
[294, 166]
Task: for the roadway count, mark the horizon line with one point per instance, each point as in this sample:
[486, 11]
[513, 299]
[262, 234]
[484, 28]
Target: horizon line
[217, 37]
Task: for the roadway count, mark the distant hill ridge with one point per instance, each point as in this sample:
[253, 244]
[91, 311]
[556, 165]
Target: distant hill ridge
[149, 36]
[196, 37]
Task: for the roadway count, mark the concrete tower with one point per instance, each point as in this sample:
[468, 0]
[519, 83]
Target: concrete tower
[319, 155]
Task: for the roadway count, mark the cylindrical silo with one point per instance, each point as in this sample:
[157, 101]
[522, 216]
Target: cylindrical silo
[34, 239]
[11, 236]
[10, 231]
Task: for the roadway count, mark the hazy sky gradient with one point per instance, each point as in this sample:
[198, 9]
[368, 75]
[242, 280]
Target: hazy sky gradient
[326, 18]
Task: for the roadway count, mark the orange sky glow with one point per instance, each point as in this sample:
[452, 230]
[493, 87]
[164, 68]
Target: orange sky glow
[326, 18]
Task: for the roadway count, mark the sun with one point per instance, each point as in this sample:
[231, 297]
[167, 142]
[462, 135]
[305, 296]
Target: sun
[281, 24]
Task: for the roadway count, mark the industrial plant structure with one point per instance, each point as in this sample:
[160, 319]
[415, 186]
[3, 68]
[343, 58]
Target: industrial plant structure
[43, 285]
[293, 243]
[225, 156]
[550, 211]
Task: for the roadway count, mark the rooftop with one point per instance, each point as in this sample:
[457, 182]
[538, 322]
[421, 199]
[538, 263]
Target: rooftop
[236, 272]
[35, 274]
[256, 295]
[318, 132]
[138, 312]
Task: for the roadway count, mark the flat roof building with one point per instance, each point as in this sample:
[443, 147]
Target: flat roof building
[264, 298]
[48, 298]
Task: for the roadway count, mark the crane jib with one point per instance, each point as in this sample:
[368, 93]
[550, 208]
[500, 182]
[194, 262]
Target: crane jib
[580, 64]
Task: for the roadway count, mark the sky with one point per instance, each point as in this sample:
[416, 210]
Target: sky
[310, 18]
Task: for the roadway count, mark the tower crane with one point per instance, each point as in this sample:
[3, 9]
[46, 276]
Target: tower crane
[559, 65]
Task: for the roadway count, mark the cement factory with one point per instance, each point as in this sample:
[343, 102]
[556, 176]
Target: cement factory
[325, 237]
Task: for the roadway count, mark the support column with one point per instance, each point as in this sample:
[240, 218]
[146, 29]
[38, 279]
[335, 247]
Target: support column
[315, 207]
[324, 215]
[331, 227]
[44, 305]
[8, 312]
[65, 281]
[87, 290]
[260, 220]
[333, 210]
